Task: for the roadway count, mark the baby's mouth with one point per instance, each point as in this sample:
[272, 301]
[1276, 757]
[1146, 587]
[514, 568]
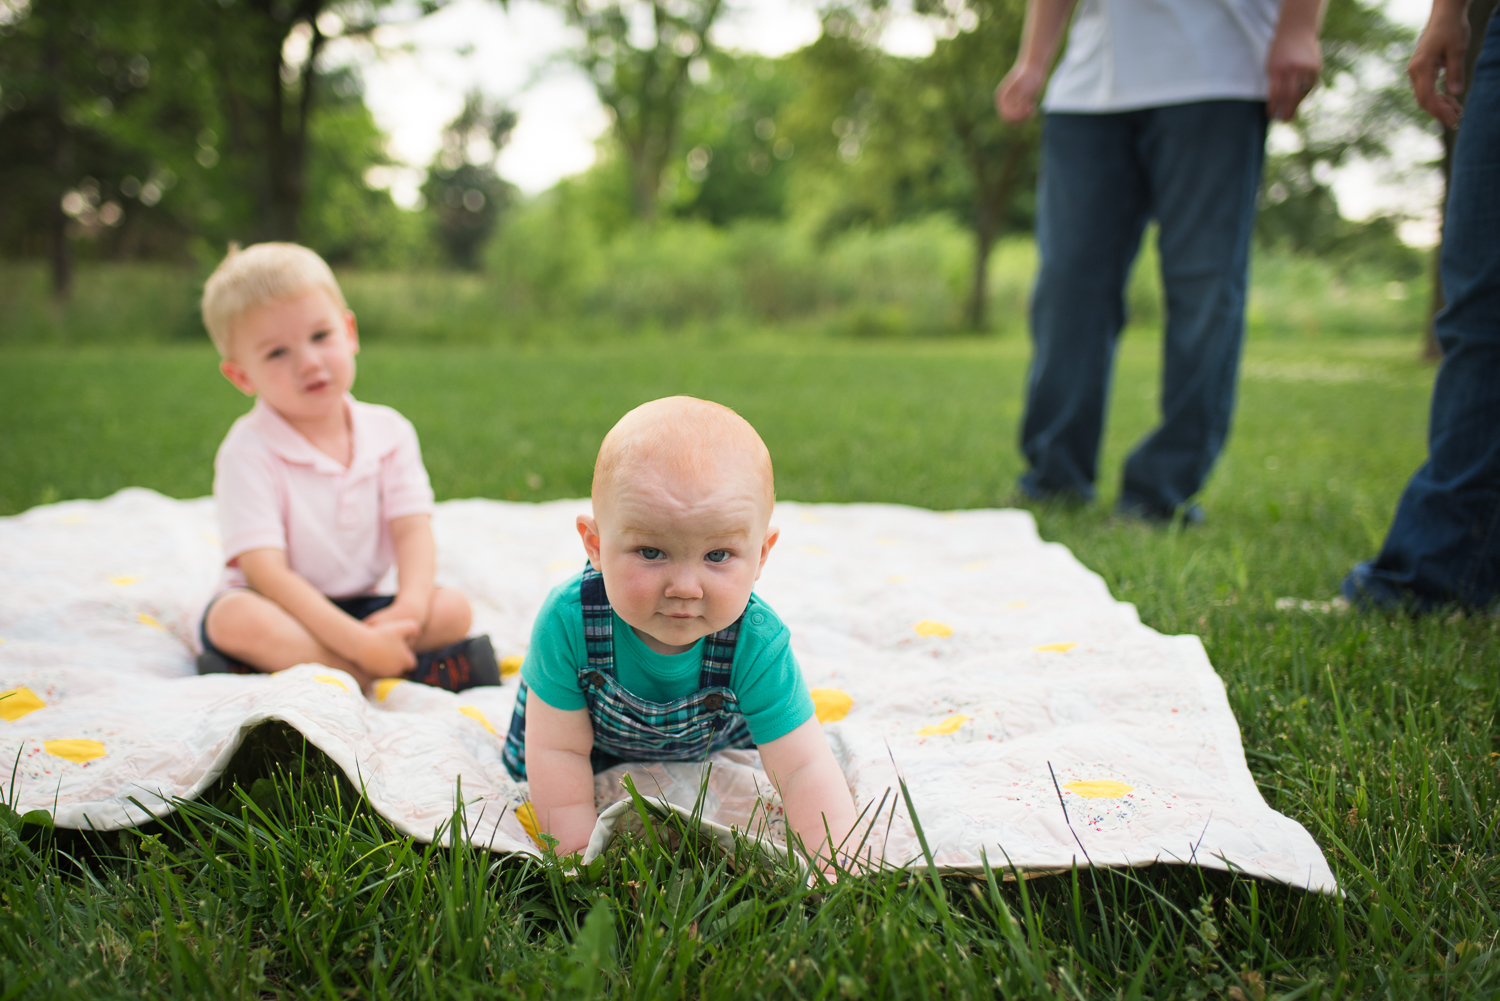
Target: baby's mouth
[316, 387]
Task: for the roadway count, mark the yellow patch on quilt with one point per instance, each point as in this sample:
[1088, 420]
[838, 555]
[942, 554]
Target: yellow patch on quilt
[124, 580]
[18, 702]
[383, 687]
[947, 726]
[1098, 788]
[976, 565]
[886, 540]
[1017, 604]
[73, 519]
[895, 578]
[1056, 647]
[74, 750]
[329, 679]
[473, 713]
[830, 704]
[527, 816]
[145, 619]
[815, 550]
[511, 665]
[927, 627]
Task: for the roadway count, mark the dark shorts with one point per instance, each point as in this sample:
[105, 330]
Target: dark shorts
[360, 607]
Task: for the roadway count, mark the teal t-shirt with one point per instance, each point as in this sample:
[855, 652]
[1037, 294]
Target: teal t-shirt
[764, 677]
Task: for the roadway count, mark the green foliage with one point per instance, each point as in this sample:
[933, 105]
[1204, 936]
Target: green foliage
[736, 164]
[1377, 733]
[641, 59]
[1365, 102]
[153, 124]
[465, 195]
[553, 278]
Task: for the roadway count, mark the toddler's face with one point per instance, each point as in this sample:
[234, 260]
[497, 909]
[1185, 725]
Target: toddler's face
[680, 554]
[297, 354]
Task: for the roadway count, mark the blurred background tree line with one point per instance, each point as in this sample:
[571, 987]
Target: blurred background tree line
[838, 185]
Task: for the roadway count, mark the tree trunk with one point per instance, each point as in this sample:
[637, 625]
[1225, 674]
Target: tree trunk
[1480, 12]
[62, 165]
[990, 204]
[984, 241]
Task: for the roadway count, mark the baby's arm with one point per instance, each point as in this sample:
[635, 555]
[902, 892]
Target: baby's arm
[382, 649]
[812, 787]
[558, 742]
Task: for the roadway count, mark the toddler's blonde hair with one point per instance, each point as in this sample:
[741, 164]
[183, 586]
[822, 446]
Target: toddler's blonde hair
[257, 275]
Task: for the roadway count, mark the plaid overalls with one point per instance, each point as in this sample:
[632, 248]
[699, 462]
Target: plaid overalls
[628, 728]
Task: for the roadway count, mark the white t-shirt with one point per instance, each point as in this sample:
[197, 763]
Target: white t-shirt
[1123, 55]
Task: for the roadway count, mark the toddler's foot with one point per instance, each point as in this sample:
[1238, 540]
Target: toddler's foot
[465, 664]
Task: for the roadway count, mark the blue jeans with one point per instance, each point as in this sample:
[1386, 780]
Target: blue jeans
[1196, 169]
[1444, 544]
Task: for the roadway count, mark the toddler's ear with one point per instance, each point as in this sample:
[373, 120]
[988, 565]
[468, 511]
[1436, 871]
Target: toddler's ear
[353, 329]
[238, 376]
[588, 530]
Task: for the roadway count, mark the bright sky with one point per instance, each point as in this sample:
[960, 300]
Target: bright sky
[417, 82]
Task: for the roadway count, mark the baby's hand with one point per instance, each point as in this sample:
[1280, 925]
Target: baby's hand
[387, 649]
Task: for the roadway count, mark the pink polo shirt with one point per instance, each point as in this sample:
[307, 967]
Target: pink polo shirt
[274, 490]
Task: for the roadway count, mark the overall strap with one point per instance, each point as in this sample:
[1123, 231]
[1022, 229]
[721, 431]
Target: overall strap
[598, 629]
[718, 655]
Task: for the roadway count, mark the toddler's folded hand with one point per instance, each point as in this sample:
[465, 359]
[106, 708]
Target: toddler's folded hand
[387, 649]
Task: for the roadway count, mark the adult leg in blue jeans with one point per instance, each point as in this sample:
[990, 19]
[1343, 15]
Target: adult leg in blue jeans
[1195, 168]
[1443, 547]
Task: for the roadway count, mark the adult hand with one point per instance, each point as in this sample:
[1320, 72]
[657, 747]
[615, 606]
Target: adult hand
[1015, 98]
[386, 651]
[1292, 68]
[1443, 47]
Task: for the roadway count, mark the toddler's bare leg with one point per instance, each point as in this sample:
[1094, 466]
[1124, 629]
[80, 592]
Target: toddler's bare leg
[256, 630]
[448, 620]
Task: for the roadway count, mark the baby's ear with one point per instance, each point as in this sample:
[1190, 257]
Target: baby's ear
[588, 531]
[772, 535]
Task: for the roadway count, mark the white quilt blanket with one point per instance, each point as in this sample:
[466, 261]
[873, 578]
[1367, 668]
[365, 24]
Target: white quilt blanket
[1035, 720]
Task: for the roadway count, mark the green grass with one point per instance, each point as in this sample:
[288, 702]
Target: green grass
[1379, 734]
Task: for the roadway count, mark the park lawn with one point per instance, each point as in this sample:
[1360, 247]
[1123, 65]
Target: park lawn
[1379, 734]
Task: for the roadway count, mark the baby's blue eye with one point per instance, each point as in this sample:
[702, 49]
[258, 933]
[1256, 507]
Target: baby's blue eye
[647, 553]
[717, 556]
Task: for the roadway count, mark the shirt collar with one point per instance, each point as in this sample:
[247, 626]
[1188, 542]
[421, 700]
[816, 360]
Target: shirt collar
[292, 446]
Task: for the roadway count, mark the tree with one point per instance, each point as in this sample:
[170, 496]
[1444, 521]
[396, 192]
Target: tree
[643, 86]
[264, 56]
[65, 67]
[930, 126]
[979, 44]
[462, 189]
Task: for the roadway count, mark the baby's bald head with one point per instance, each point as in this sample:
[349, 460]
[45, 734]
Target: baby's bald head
[684, 438]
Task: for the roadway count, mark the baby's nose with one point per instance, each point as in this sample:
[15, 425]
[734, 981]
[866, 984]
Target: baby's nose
[684, 585]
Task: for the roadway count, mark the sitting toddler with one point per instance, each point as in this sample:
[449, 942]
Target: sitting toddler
[658, 650]
[318, 495]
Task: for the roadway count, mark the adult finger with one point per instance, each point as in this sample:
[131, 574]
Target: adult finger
[1453, 70]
